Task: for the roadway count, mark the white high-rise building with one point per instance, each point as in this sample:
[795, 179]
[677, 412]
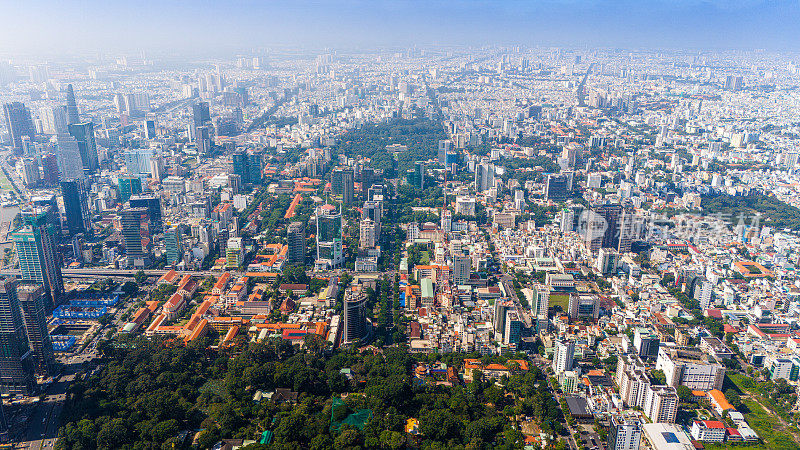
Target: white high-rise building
[563, 356]
[369, 234]
[624, 434]
[661, 404]
[447, 221]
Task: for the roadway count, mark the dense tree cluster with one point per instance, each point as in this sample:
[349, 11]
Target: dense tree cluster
[774, 213]
[149, 394]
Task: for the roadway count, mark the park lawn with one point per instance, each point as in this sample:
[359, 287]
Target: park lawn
[768, 428]
[561, 300]
[5, 184]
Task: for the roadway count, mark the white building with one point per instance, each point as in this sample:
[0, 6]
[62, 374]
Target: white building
[368, 234]
[661, 404]
[563, 356]
[624, 434]
[708, 430]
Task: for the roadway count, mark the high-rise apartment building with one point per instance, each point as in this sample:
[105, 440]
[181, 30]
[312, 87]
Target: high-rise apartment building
[39, 261]
[624, 433]
[661, 404]
[32, 300]
[16, 358]
[368, 235]
[563, 356]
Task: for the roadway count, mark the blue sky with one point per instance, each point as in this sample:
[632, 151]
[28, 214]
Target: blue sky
[201, 25]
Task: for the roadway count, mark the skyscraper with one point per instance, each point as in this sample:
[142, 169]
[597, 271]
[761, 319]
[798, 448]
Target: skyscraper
[153, 205]
[445, 145]
[368, 234]
[128, 186]
[84, 134]
[39, 261]
[624, 434]
[558, 187]
[419, 174]
[248, 166]
[367, 179]
[484, 176]
[72, 106]
[342, 183]
[201, 116]
[172, 245]
[563, 356]
[76, 206]
[32, 300]
[30, 172]
[296, 237]
[372, 210]
[355, 320]
[69, 157]
[16, 359]
[54, 119]
[50, 169]
[18, 123]
[134, 229]
[329, 237]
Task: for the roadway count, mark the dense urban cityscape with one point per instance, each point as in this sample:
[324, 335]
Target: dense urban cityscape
[429, 246]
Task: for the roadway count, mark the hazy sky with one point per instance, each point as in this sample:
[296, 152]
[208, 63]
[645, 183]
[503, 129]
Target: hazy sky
[202, 26]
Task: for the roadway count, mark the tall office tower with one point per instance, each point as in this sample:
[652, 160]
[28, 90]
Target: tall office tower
[500, 308]
[296, 243]
[703, 293]
[367, 179]
[172, 245]
[484, 176]
[461, 269]
[30, 172]
[329, 237]
[54, 119]
[84, 134]
[72, 106]
[50, 169]
[347, 186]
[134, 229]
[563, 356]
[32, 300]
[16, 358]
[18, 123]
[733, 83]
[201, 116]
[558, 187]
[248, 165]
[153, 205]
[369, 234]
[419, 174]
[372, 210]
[624, 433]
[567, 220]
[138, 161]
[630, 228]
[355, 319]
[119, 102]
[342, 183]
[128, 186]
[244, 95]
[610, 215]
[513, 328]
[39, 261]
[69, 157]
[150, 128]
[234, 253]
[661, 404]
[76, 207]
[445, 145]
